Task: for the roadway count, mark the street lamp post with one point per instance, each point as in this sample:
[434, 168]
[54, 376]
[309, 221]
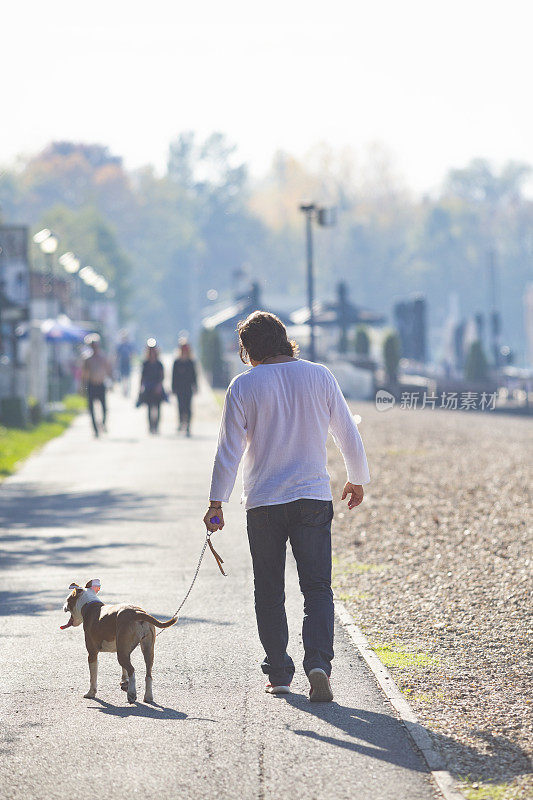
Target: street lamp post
[48, 242]
[71, 265]
[325, 217]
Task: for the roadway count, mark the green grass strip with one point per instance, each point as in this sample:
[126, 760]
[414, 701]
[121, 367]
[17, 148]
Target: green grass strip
[16, 444]
[395, 657]
[492, 791]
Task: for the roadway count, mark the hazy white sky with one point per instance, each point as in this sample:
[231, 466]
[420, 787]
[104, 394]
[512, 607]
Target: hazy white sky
[438, 82]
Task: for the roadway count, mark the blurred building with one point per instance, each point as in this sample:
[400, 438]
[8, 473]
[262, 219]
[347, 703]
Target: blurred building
[411, 323]
[14, 312]
[49, 296]
[225, 318]
[335, 320]
[528, 323]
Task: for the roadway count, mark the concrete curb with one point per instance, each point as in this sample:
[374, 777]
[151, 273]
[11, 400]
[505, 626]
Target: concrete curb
[416, 731]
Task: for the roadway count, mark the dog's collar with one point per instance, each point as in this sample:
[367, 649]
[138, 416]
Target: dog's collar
[85, 606]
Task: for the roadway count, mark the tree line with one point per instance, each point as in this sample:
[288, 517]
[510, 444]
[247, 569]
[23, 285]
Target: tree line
[164, 240]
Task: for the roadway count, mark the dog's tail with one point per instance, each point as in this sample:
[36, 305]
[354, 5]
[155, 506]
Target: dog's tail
[144, 617]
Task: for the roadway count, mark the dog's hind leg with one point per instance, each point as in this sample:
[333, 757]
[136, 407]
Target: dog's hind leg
[147, 647]
[93, 675]
[124, 651]
[124, 680]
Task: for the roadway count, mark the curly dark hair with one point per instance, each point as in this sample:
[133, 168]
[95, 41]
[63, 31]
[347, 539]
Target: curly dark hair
[263, 335]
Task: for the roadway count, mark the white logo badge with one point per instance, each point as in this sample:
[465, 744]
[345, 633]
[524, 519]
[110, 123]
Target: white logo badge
[384, 400]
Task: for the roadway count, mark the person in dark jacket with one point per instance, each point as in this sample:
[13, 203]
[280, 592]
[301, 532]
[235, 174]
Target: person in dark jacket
[152, 392]
[184, 385]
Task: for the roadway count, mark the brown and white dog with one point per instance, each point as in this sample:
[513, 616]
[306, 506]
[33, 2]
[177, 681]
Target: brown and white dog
[114, 629]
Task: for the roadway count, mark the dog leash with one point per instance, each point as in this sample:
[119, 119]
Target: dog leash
[218, 559]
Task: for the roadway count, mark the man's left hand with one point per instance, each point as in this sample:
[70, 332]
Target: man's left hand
[356, 494]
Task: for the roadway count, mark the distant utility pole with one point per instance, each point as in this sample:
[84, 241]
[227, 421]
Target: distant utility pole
[308, 209]
[495, 327]
[325, 217]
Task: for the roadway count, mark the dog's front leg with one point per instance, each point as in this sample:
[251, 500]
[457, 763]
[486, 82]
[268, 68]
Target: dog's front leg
[93, 675]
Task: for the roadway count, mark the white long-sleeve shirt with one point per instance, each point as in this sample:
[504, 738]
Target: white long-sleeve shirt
[279, 415]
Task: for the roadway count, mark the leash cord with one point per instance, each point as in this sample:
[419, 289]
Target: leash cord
[204, 548]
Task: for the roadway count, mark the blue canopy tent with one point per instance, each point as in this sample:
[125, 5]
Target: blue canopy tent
[62, 329]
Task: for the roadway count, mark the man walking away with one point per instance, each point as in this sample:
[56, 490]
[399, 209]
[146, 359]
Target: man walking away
[124, 354]
[278, 413]
[184, 384]
[95, 371]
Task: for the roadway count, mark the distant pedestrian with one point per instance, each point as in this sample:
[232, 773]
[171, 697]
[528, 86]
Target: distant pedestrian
[280, 412]
[184, 384]
[96, 371]
[152, 392]
[124, 353]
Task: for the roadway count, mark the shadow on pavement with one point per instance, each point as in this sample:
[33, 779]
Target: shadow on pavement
[382, 736]
[376, 735]
[152, 711]
[58, 551]
[24, 511]
[25, 506]
[40, 602]
[191, 620]
[31, 602]
[11, 737]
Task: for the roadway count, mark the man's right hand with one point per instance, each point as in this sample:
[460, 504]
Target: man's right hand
[356, 494]
[214, 512]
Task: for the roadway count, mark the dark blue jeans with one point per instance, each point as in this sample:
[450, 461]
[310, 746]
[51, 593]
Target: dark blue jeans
[307, 525]
[96, 391]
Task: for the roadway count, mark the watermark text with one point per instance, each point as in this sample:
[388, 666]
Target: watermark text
[454, 401]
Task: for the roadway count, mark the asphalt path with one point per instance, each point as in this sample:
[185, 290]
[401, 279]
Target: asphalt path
[127, 508]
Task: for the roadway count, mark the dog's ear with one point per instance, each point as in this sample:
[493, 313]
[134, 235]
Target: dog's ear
[74, 585]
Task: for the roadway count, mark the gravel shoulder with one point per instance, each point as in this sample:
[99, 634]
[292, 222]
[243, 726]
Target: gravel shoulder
[436, 568]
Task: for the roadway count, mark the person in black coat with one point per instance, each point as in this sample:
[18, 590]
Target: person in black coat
[152, 392]
[184, 385]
